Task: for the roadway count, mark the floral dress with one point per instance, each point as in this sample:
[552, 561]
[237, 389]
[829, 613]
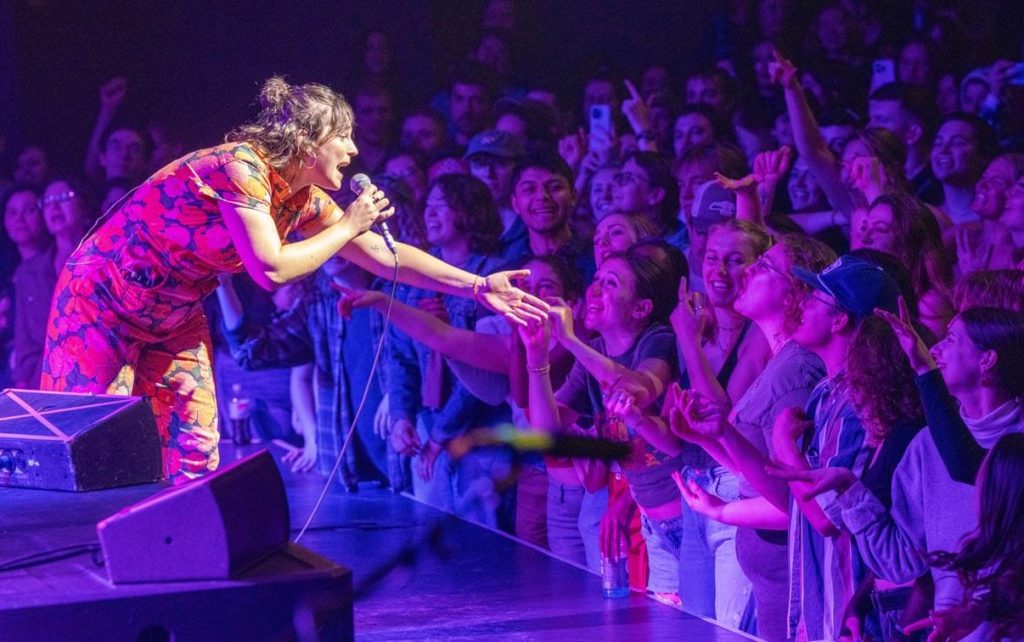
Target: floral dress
[127, 314]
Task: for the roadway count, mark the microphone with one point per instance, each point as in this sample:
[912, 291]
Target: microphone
[360, 182]
[540, 442]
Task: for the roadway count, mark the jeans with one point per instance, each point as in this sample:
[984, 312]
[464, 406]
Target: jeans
[531, 505]
[889, 606]
[574, 523]
[662, 537]
[711, 582]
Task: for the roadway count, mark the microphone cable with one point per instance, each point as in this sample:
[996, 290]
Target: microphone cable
[359, 409]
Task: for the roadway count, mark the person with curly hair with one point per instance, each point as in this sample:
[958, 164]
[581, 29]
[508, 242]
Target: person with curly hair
[127, 314]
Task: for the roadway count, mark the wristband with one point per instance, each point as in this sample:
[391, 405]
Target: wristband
[542, 370]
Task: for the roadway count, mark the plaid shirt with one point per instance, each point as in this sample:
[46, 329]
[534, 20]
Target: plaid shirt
[825, 571]
[341, 351]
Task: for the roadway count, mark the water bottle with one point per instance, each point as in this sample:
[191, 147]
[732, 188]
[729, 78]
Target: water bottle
[239, 412]
[614, 577]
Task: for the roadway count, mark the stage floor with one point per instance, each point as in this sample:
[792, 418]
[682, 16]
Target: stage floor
[457, 581]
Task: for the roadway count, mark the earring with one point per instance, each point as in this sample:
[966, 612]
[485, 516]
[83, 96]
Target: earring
[314, 161]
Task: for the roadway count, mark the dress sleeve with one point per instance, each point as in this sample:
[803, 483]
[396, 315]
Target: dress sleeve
[241, 182]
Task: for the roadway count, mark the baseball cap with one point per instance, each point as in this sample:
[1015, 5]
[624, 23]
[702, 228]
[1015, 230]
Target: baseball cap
[496, 143]
[858, 286]
[712, 204]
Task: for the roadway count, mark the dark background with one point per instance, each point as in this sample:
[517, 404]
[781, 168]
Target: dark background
[200, 63]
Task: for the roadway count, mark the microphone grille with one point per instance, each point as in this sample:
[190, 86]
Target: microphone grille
[358, 183]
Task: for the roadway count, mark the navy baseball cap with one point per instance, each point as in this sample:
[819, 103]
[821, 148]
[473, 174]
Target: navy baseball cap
[858, 286]
[712, 204]
[496, 143]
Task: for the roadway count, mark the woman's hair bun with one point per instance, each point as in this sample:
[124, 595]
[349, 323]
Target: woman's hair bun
[275, 93]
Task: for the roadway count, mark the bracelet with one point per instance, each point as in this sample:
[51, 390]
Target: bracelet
[542, 370]
[476, 287]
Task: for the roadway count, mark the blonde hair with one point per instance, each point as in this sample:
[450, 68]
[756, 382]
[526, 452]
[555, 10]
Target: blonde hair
[293, 120]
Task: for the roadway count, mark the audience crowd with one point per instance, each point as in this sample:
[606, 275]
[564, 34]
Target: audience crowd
[792, 281]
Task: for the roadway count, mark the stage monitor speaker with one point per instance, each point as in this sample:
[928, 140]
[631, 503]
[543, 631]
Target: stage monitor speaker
[213, 528]
[74, 441]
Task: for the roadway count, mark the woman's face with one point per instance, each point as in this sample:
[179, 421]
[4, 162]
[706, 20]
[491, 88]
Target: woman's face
[878, 232]
[23, 220]
[332, 157]
[601, 192]
[804, 192]
[691, 130]
[1013, 211]
[767, 286]
[62, 209]
[990, 191]
[613, 234]
[611, 298]
[726, 257]
[959, 359]
[440, 220]
[543, 281]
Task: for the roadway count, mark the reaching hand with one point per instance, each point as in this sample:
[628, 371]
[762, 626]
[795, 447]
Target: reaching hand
[354, 299]
[913, 346]
[693, 417]
[303, 460]
[603, 145]
[560, 315]
[699, 499]
[112, 94]
[821, 480]
[536, 338]
[500, 296]
[747, 183]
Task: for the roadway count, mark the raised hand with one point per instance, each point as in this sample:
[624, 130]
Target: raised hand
[636, 110]
[782, 72]
[500, 296]
[972, 251]
[603, 145]
[560, 315]
[112, 94]
[821, 480]
[621, 402]
[573, 149]
[691, 317]
[747, 183]
[770, 166]
[869, 177]
[913, 346]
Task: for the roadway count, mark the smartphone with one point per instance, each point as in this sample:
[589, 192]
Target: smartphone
[601, 118]
[883, 72]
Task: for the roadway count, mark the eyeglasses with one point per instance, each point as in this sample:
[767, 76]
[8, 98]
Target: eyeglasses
[813, 295]
[762, 263]
[625, 178]
[49, 199]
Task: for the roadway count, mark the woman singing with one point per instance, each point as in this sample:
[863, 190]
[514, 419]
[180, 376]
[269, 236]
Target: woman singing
[127, 315]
